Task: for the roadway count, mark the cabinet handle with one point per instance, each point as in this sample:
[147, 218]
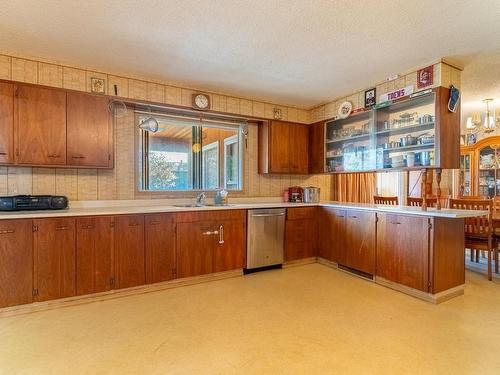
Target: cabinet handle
[3, 153]
[221, 234]
[62, 228]
[7, 231]
[207, 233]
[395, 222]
[54, 156]
[133, 224]
[88, 227]
[340, 215]
[154, 223]
[354, 216]
[78, 157]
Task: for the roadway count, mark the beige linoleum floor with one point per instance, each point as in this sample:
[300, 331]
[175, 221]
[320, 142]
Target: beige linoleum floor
[303, 320]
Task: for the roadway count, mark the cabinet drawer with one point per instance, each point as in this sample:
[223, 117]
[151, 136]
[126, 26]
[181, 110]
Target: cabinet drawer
[300, 213]
[195, 216]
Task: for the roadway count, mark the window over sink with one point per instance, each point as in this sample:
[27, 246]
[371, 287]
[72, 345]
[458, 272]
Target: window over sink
[188, 154]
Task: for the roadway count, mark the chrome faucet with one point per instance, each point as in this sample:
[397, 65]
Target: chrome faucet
[200, 199]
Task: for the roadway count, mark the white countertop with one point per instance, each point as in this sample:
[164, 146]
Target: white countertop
[117, 207]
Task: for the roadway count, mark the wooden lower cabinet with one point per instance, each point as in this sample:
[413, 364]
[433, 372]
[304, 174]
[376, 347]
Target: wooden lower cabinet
[204, 246]
[331, 234]
[54, 258]
[403, 250]
[16, 265]
[230, 245]
[301, 233]
[194, 247]
[359, 241]
[160, 247]
[94, 254]
[130, 268]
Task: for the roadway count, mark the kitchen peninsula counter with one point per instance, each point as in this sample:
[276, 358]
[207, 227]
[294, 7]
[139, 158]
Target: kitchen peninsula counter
[161, 242]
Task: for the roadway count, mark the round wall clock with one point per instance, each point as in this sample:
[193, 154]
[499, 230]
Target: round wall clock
[201, 101]
[345, 109]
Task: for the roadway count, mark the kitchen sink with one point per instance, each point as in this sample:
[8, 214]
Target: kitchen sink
[202, 205]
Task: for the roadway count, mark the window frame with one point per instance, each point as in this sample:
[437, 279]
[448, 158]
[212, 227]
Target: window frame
[142, 162]
[228, 142]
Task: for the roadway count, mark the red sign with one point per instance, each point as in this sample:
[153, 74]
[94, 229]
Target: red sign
[425, 77]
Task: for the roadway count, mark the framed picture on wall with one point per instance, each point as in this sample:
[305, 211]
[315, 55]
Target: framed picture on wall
[370, 97]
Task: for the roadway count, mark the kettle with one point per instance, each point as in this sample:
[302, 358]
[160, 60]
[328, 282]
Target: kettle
[311, 194]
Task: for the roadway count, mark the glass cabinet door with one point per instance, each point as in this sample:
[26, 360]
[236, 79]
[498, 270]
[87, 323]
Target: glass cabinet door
[465, 175]
[489, 178]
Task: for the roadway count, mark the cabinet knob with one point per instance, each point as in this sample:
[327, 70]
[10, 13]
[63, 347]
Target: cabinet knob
[7, 231]
[62, 228]
[53, 156]
[78, 157]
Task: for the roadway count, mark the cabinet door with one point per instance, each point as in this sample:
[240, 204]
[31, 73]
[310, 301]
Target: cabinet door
[359, 240]
[403, 255]
[332, 227]
[279, 147]
[16, 265]
[40, 118]
[298, 149]
[317, 147]
[230, 245]
[194, 246]
[54, 258]
[94, 254]
[300, 239]
[160, 247]
[6, 123]
[129, 251]
[89, 130]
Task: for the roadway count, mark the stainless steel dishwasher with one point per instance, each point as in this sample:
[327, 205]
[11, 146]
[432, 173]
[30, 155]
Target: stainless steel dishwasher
[265, 238]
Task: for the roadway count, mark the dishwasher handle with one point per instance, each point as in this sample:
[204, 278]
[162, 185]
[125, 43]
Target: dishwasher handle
[268, 215]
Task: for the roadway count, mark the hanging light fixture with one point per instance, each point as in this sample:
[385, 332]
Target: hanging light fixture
[489, 121]
[150, 125]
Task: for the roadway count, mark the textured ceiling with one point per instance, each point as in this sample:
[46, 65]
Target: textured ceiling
[300, 52]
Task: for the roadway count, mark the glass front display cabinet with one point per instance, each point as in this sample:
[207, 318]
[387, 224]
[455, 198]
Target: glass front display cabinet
[411, 133]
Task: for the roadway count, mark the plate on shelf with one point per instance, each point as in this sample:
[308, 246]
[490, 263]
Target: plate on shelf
[345, 110]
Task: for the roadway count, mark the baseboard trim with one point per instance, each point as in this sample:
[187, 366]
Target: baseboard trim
[433, 298]
[299, 262]
[116, 293]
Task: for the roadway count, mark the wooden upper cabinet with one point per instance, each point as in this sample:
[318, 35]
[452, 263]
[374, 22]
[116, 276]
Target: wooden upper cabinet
[89, 140]
[40, 121]
[279, 147]
[54, 263]
[6, 123]
[16, 265]
[283, 147]
[298, 148]
[317, 147]
[94, 254]
[160, 247]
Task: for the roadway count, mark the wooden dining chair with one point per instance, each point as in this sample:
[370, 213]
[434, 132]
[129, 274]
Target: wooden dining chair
[393, 201]
[478, 230]
[417, 202]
